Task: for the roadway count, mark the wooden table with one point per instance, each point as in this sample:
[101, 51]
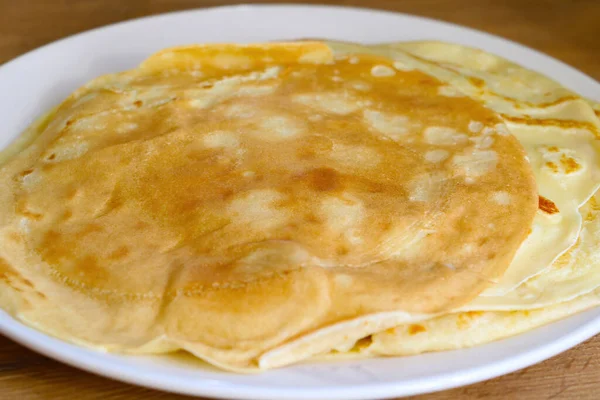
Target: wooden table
[567, 30]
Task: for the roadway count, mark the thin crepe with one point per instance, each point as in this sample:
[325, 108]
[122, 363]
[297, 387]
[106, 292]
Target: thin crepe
[227, 199]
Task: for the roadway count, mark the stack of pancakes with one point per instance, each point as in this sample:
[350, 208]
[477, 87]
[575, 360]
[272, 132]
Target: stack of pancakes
[260, 205]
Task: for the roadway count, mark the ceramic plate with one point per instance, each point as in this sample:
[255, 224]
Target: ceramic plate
[33, 83]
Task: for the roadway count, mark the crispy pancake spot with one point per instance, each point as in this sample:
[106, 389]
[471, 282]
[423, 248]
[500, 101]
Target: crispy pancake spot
[569, 164]
[559, 123]
[547, 205]
[362, 343]
[560, 161]
[66, 215]
[26, 172]
[465, 319]
[22, 209]
[324, 179]
[119, 253]
[552, 167]
[415, 329]
[476, 81]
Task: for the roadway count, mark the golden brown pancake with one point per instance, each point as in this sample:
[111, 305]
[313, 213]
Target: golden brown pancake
[225, 199]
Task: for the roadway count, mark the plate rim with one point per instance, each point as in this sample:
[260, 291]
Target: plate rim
[36, 340]
[32, 338]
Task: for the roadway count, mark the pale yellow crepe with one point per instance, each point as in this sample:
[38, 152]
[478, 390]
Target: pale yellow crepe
[230, 200]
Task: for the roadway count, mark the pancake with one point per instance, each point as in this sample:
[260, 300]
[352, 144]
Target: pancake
[559, 131]
[568, 286]
[228, 199]
[557, 128]
[458, 331]
[574, 279]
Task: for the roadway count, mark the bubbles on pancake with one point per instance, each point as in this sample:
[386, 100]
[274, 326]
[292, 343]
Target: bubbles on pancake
[278, 127]
[343, 216]
[66, 151]
[502, 198]
[482, 142]
[344, 280]
[444, 136]
[427, 187]
[127, 127]
[435, 156]
[382, 71]
[501, 129]
[393, 126]
[239, 110]
[334, 103]
[221, 139]
[238, 85]
[256, 90]
[353, 60]
[29, 178]
[256, 210]
[360, 86]
[229, 61]
[337, 78]
[354, 156]
[475, 126]
[279, 255]
[475, 163]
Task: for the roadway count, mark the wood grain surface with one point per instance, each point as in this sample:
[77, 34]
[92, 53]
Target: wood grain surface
[567, 30]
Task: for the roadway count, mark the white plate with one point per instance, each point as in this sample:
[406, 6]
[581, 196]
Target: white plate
[36, 81]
